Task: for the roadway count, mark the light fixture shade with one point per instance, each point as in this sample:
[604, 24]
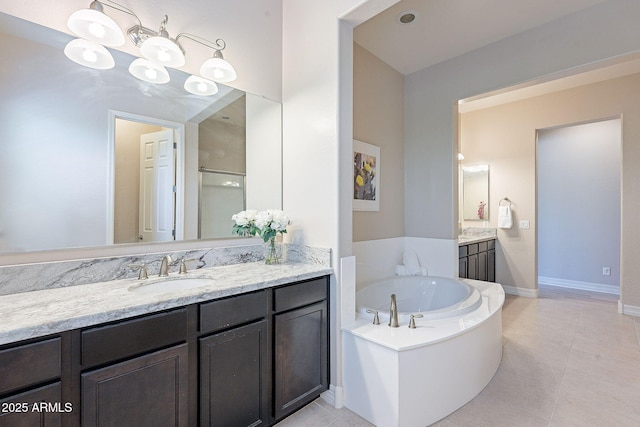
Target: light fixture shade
[89, 54]
[149, 71]
[217, 69]
[163, 51]
[94, 25]
[199, 86]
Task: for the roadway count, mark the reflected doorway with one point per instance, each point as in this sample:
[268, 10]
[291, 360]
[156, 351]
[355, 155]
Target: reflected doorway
[147, 181]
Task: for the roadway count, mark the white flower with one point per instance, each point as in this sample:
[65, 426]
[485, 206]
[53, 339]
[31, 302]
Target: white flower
[263, 219]
[279, 220]
[245, 218]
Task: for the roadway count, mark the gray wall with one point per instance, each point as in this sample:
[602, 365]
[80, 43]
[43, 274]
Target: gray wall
[603, 31]
[579, 202]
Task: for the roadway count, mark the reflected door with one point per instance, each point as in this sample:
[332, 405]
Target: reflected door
[157, 187]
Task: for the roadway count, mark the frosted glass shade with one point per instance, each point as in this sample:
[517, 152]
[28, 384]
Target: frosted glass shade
[163, 51]
[199, 86]
[89, 54]
[149, 71]
[95, 26]
[218, 70]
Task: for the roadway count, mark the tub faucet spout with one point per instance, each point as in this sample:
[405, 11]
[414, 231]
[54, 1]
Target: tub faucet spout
[393, 312]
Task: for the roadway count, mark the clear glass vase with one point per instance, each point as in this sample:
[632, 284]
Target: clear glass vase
[272, 252]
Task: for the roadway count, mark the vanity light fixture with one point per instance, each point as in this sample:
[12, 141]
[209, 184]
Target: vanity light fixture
[161, 49]
[149, 71]
[92, 24]
[217, 69]
[158, 49]
[199, 86]
[89, 54]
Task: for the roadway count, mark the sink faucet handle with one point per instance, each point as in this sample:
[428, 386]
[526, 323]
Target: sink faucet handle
[412, 322]
[142, 270]
[183, 264]
[376, 318]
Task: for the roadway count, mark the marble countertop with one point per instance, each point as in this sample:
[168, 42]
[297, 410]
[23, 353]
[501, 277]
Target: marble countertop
[466, 239]
[40, 313]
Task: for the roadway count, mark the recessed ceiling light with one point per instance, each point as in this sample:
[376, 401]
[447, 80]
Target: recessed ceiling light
[407, 17]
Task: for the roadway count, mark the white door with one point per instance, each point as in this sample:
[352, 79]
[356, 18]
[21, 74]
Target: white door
[157, 184]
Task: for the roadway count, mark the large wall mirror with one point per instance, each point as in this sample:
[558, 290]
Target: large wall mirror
[76, 145]
[475, 193]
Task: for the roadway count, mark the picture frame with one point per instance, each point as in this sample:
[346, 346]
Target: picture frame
[366, 177]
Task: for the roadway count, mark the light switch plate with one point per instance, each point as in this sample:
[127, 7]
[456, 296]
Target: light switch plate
[524, 224]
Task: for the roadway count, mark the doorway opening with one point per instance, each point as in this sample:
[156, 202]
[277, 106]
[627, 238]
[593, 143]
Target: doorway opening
[578, 172]
[146, 179]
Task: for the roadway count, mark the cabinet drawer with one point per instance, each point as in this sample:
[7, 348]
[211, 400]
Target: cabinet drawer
[225, 313]
[482, 246]
[130, 337]
[462, 251]
[29, 364]
[473, 248]
[300, 294]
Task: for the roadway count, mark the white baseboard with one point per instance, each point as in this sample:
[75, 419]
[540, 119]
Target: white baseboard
[575, 284]
[334, 396]
[631, 310]
[521, 292]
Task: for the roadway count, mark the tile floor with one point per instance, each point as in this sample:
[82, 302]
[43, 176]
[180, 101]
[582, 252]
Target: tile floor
[569, 360]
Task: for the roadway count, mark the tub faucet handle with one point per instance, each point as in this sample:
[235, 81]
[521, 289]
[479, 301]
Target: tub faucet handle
[412, 322]
[376, 318]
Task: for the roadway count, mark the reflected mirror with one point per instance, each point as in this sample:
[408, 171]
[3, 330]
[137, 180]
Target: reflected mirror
[85, 153]
[475, 193]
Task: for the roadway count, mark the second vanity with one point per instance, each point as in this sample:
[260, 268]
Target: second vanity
[247, 347]
[477, 254]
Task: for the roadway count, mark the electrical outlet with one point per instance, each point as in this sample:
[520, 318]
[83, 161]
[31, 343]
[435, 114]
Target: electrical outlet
[524, 224]
[606, 271]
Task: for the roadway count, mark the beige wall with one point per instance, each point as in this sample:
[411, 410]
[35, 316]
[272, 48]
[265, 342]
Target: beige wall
[378, 119]
[222, 143]
[504, 137]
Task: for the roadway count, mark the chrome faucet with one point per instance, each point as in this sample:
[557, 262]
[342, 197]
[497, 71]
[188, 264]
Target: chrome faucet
[164, 266]
[393, 312]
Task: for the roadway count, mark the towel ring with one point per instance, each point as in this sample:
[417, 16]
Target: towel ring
[505, 199]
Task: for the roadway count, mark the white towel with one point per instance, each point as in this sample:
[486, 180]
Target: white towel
[504, 217]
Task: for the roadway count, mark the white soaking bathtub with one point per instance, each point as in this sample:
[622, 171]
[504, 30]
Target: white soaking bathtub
[433, 297]
[414, 377]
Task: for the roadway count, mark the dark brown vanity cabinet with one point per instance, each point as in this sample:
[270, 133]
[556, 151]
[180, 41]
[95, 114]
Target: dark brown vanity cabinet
[30, 387]
[235, 373]
[300, 345]
[477, 261]
[135, 372]
[246, 360]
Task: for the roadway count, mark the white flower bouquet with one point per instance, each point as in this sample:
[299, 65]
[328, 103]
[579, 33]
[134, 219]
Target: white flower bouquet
[266, 224]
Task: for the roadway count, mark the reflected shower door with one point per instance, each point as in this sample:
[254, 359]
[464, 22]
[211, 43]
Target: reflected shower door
[221, 195]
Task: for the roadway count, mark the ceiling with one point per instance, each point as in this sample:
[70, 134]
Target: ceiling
[444, 29]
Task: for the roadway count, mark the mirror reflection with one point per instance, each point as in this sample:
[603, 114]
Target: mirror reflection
[475, 193]
[96, 157]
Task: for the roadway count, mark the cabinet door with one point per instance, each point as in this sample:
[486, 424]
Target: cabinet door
[462, 267]
[472, 266]
[149, 390]
[300, 357]
[19, 410]
[482, 266]
[234, 377]
[491, 265]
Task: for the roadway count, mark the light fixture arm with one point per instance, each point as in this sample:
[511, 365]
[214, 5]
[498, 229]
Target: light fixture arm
[218, 45]
[98, 5]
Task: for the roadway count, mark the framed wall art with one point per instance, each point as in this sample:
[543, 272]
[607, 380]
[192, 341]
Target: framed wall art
[366, 176]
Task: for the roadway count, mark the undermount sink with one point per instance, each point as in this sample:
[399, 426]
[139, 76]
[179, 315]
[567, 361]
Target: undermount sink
[170, 285]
